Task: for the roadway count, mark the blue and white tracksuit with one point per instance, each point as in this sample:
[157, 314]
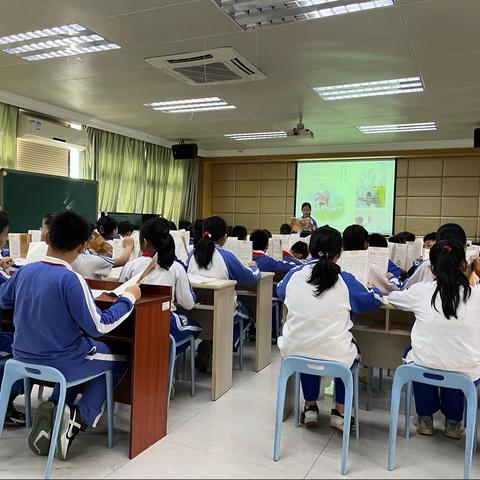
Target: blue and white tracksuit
[92, 265]
[182, 295]
[394, 269]
[319, 326]
[288, 257]
[55, 320]
[226, 266]
[268, 264]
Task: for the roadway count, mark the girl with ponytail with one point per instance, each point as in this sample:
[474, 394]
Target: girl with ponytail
[320, 298]
[209, 259]
[446, 333]
[156, 239]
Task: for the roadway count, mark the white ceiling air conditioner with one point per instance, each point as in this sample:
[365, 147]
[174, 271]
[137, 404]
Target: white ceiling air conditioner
[46, 132]
[210, 67]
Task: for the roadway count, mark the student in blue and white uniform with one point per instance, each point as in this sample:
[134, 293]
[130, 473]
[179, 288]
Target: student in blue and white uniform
[5, 262]
[298, 253]
[320, 298]
[56, 320]
[154, 238]
[265, 263]
[445, 336]
[107, 227]
[209, 259]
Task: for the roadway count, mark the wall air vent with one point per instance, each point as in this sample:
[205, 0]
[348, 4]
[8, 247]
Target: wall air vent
[217, 66]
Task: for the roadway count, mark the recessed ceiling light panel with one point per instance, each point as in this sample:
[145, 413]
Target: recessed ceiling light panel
[191, 105]
[256, 135]
[252, 14]
[371, 89]
[398, 128]
[55, 42]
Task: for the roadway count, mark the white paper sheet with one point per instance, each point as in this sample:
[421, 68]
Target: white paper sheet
[245, 251]
[377, 256]
[356, 263]
[398, 254]
[36, 252]
[36, 235]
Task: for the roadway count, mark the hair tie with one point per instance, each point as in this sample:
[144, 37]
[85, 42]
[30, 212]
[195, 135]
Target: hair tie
[206, 233]
[323, 254]
[447, 248]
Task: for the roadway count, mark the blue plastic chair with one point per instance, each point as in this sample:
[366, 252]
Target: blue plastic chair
[16, 370]
[295, 365]
[240, 321]
[173, 357]
[405, 375]
[370, 384]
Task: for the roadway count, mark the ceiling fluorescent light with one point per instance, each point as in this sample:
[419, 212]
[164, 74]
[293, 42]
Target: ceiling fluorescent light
[63, 41]
[192, 105]
[398, 128]
[252, 14]
[371, 89]
[256, 135]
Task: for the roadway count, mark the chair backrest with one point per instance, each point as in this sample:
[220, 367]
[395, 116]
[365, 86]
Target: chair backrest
[37, 372]
[324, 368]
[430, 376]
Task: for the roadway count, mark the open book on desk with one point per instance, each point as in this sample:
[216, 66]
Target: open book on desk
[365, 265]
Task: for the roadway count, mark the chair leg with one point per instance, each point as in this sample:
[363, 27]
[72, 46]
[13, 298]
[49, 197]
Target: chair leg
[380, 379]
[27, 387]
[282, 388]
[297, 400]
[56, 429]
[109, 387]
[171, 367]
[408, 405]
[355, 401]
[347, 419]
[470, 432]
[7, 385]
[192, 367]
[394, 412]
[40, 392]
[369, 387]
[240, 348]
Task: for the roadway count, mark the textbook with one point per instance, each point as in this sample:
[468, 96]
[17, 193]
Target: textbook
[182, 241]
[100, 245]
[242, 249]
[36, 235]
[398, 254]
[414, 252]
[365, 265]
[275, 247]
[18, 244]
[36, 251]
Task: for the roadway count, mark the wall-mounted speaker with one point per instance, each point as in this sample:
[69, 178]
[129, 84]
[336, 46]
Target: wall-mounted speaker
[476, 138]
[185, 150]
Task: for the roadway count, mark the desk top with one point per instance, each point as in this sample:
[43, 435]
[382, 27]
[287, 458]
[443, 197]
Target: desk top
[215, 285]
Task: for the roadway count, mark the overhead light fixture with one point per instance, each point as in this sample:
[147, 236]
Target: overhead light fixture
[371, 89]
[252, 14]
[398, 128]
[191, 105]
[256, 135]
[55, 42]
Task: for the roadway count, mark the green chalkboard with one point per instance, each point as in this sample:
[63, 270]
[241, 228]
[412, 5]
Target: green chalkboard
[27, 197]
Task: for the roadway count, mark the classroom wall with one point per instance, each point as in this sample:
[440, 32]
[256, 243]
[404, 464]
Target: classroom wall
[430, 190]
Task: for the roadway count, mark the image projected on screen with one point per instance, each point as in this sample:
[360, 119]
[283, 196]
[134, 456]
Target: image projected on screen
[346, 192]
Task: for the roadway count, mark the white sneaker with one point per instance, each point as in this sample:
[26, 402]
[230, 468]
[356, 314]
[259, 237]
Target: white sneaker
[310, 416]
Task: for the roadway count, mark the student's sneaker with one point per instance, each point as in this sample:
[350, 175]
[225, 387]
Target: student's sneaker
[204, 356]
[453, 429]
[13, 417]
[424, 424]
[310, 416]
[41, 432]
[337, 420]
[71, 424]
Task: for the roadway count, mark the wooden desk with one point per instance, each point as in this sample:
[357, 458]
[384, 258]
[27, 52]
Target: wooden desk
[145, 387]
[215, 310]
[259, 298]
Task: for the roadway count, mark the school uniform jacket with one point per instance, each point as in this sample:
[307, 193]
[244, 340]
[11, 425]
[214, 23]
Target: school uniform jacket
[319, 326]
[54, 309]
[437, 342]
[268, 264]
[288, 257]
[93, 266]
[422, 274]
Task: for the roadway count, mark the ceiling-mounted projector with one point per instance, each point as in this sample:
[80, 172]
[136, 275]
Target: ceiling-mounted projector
[300, 130]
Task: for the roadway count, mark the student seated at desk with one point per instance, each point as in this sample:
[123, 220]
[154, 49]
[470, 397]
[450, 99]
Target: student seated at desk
[107, 227]
[125, 229]
[298, 253]
[5, 262]
[209, 259]
[46, 221]
[265, 263]
[240, 232]
[429, 240]
[378, 240]
[56, 320]
[319, 298]
[285, 229]
[155, 239]
[445, 336]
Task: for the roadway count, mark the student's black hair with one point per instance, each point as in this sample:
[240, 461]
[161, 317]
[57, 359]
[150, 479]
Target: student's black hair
[106, 225]
[300, 248]
[447, 258]
[4, 221]
[214, 228]
[269, 233]
[259, 239]
[154, 232]
[68, 230]
[355, 237]
[396, 239]
[185, 225]
[125, 227]
[92, 227]
[240, 232]
[47, 219]
[377, 240]
[325, 244]
[164, 222]
[306, 204]
[408, 236]
[305, 233]
[285, 229]
[172, 225]
[430, 236]
[452, 231]
[197, 230]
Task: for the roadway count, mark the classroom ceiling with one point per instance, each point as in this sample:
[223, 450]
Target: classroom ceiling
[438, 40]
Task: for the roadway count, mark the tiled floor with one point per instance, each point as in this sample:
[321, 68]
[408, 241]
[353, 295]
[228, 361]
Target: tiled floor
[233, 438]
